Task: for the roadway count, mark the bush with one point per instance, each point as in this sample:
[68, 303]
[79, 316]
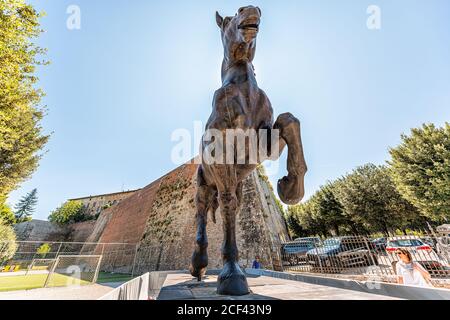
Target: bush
[69, 212]
[43, 250]
[7, 215]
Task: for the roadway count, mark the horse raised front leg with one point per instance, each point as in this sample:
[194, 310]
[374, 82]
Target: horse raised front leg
[232, 280]
[291, 187]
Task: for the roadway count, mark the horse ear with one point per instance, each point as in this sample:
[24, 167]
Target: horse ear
[219, 20]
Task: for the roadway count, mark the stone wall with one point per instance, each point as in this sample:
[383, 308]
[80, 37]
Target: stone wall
[38, 230]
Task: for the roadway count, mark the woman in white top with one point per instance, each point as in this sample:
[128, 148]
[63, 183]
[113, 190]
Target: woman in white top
[411, 273]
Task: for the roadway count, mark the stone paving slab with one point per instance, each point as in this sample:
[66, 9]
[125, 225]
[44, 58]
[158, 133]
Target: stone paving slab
[181, 286]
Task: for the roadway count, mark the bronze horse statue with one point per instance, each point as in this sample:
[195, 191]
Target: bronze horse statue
[241, 104]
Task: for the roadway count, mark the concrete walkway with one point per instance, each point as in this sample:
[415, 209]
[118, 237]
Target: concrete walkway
[182, 286]
[89, 292]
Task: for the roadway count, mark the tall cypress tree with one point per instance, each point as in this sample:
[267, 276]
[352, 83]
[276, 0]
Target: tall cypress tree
[26, 206]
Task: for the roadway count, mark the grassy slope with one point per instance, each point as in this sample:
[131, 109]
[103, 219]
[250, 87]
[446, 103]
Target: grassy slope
[35, 281]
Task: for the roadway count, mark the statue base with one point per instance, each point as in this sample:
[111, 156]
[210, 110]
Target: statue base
[182, 286]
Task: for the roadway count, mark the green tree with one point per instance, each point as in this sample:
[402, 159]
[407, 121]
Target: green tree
[21, 135]
[7, 242]
[6, 214]
[26, 206]
[69, 212]
[43, 250]
[327, 210]
[370, 200]
[420, 169]
[294, 228]
[322, 214]
[307, 218]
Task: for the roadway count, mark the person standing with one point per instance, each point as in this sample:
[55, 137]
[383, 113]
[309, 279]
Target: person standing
[256, 263]
[410, 272]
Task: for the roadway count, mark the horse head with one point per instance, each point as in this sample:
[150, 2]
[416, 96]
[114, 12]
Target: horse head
[239, 34]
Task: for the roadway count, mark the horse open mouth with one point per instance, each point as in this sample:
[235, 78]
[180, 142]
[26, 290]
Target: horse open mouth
[249, 26]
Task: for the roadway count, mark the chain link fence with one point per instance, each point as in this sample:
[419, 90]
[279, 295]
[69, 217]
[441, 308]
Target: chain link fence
[368, 257]
[36, 264]
[117, 257]
[75, 269]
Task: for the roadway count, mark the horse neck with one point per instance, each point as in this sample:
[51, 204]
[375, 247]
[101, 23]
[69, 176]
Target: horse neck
[238, 72]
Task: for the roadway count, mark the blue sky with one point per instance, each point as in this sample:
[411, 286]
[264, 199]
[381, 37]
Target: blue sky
[138, 70]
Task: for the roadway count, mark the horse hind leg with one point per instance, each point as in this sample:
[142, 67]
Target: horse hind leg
[232, 280]
[204, 198]
[291, 187]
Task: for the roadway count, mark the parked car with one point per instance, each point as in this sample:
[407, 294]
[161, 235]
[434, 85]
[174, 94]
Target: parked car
[295, 252]
[341, 253]
[429, 241]
[380, 244]
[412, 243]
[315, 240]
[421, 252]
[443, 247]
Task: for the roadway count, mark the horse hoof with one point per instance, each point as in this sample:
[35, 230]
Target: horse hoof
[291, 189]
[199, 264]
[232, 281]
[198, 273]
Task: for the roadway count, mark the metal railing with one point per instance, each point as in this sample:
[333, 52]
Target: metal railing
[362, 257]
[136, 289]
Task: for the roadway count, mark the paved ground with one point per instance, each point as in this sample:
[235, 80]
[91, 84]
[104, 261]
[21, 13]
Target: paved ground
[182, 286]
[88, 292]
